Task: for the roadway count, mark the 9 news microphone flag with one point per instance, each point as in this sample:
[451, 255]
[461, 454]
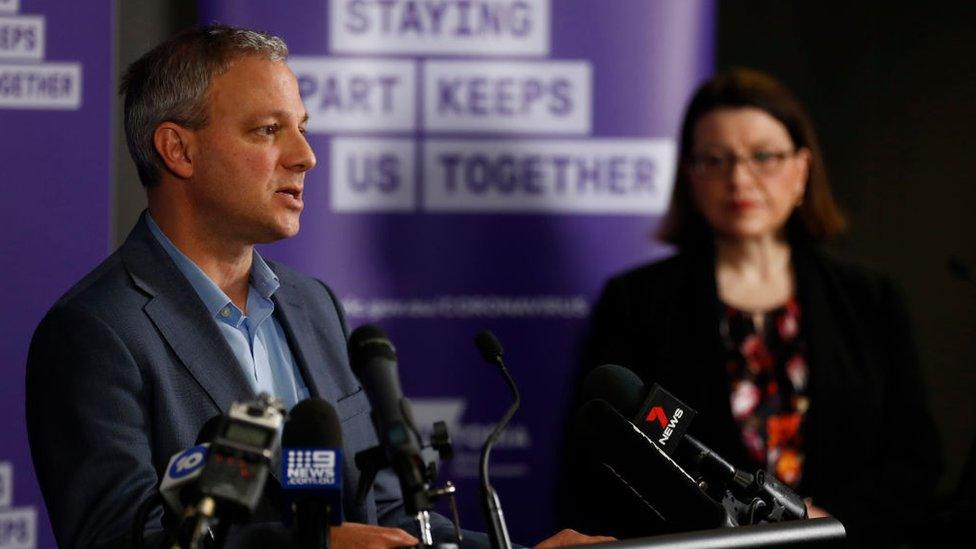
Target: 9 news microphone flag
[311, 472]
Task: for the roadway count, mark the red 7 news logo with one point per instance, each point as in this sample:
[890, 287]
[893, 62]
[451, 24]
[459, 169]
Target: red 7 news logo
[657, 414]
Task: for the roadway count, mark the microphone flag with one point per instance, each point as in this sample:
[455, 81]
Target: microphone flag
[664, 418]
[315, 470]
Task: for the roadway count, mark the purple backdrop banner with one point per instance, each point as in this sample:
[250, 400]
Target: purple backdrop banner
[56, 85]
[485, 164]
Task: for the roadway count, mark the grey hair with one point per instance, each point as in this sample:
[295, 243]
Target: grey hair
[170, 84]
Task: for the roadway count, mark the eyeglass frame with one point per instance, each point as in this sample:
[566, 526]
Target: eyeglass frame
[730, 161]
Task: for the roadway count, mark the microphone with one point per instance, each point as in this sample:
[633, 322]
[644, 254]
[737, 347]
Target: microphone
[615, 384]
[645, 470]
[311, 472]
[665, 421]
[210, 429]
[179, 488]
[373, 360]
[491, 350]
[236, 470]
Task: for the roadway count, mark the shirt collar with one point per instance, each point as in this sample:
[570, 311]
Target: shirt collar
[264, 280]
[262, 277]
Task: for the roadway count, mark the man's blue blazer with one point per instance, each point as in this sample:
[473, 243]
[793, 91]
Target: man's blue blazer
[128, 365]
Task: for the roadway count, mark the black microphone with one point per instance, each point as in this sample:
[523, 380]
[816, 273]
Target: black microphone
[665, 420]
[210, 429]
[642, 468]
[373, 359]
[491, 350]
[311, 472]
[179, 486]
[236, 469]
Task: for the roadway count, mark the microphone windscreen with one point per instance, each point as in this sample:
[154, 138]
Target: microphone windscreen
[313, 422]
[311, 468]
[366, 343]
[617, 385]
[489, 346]
[374, 362]
[209, 429]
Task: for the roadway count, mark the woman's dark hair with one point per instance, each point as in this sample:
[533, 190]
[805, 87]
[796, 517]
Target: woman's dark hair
[817, 216]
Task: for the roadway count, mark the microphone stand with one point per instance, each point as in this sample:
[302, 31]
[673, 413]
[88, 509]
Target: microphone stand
[373, 360]
[371, 460]
[491, 351]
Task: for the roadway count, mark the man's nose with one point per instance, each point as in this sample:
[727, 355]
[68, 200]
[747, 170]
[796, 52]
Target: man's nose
[299, 155]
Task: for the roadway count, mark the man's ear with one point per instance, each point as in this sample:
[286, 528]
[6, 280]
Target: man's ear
[175, 145]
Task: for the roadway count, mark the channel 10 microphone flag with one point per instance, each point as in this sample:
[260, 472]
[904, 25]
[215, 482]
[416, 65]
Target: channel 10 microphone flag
[485, 164]
[56, 87]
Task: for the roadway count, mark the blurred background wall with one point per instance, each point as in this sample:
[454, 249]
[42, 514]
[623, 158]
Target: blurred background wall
[890, 87]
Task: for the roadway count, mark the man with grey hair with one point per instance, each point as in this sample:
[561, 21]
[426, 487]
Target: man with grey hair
[186, 317]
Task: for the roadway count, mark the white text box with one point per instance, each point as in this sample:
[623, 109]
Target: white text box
[6, 484]
[18, 528]
[373, 175]
[586, 176]
[448, 27]
[9, 6]
[508, 96]
[357, 94]
[22, 37]
[40, 86]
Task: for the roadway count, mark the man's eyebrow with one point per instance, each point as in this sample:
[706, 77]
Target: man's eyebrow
[278, 115]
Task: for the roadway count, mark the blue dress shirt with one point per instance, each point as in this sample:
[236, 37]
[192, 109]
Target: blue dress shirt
[256, 338]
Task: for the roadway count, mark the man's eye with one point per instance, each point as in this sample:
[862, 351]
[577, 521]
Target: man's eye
[270, 129]
[764, 157]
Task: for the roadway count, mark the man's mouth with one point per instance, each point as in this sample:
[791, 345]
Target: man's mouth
[292, 197]
[294, 193]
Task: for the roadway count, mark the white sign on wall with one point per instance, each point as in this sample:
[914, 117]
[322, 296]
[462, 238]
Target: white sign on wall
[443, 27]
[356, 94]
[507, 96]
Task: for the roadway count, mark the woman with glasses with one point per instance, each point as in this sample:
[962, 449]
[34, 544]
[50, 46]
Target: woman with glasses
[797, 363]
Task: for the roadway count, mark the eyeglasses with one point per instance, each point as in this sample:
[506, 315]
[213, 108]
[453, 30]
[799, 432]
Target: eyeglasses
[760, 163]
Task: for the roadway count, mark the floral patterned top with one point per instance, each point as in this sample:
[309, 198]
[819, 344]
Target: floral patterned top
[768, 375]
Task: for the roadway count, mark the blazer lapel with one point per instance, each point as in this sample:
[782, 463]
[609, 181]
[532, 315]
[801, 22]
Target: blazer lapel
[304, 344]
[183, 320]
[833, 353]
[707, 354]
[692, 334]
[831, 335]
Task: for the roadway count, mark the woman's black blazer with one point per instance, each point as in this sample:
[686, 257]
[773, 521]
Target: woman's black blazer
[872, 453]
